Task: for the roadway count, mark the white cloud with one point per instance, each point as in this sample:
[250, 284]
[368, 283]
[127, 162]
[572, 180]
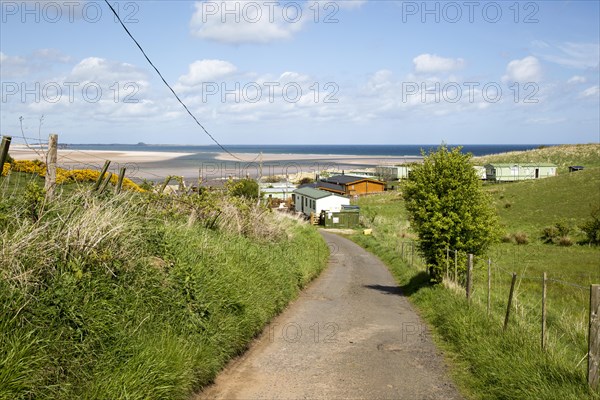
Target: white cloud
[246, 21]
[573, 55]
[206, 71]
[100, 70]
[12, 66]
[527, 69]
[425, 63]
[591, 91]
[577, 79]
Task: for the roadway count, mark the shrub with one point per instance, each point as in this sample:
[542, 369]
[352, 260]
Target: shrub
[506, 238]
[592, 227]
[5, 169]
[521, 238]
[305, 180]
[562, 228]
[565, 241]
[247, 188]
[550, 234]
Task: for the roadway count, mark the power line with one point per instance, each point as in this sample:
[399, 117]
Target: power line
[169, 86]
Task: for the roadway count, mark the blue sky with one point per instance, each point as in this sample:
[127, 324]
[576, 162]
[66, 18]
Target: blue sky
[323, 72]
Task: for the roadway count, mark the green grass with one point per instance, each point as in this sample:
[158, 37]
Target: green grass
[133, 297]
[530, 206]
[487, 362]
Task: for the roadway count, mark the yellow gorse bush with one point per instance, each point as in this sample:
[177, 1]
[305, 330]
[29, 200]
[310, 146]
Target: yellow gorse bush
[5, 168]
[66, 175]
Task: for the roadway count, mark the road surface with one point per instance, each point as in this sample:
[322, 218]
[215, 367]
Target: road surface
[350, 335]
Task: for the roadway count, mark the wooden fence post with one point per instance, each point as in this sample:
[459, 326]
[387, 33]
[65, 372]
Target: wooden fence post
[51, 158]
[4, 151]
[594, 338]
[120, 181]
[164, 185]
[101, 176]
[489, 289]
[106, 182]
[544, 286]
[469, 276]
[455, 266]
[447, 262]
[510, 298]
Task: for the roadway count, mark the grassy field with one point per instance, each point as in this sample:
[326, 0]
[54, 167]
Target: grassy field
[137, 296]
[489, 363]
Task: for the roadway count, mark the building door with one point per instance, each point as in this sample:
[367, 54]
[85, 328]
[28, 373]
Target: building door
[537, 173]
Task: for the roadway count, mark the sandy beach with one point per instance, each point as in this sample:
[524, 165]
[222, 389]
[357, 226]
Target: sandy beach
[156, 165]
[68, 156]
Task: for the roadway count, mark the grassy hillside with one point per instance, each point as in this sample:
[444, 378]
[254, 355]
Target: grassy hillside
[137, 296]
[487, 362]
[587, 155]
[532, 205]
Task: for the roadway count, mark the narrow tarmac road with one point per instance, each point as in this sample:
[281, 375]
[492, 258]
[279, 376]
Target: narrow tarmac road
[350, 335]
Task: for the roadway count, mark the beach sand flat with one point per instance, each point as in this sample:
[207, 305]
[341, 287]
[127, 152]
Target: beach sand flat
[155, 165]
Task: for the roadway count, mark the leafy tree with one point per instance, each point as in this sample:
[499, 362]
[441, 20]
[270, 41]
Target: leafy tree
[448, 208]
[247, 188]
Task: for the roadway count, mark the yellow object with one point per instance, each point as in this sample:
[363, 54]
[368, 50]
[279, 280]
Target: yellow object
[368, 231]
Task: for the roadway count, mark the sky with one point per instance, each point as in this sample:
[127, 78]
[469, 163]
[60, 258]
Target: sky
[302, 72]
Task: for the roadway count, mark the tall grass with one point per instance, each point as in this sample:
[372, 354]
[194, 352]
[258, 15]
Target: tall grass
[137, 296]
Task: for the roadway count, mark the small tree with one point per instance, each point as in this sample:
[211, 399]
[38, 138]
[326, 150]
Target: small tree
[591, 228]
[448, 209]
[247, 188]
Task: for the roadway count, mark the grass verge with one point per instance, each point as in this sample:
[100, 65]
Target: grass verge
[134, 296]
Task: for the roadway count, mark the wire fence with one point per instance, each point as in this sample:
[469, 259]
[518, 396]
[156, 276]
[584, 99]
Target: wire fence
[564, 315]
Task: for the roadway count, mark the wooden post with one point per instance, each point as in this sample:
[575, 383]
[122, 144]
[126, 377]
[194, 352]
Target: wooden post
[469, 276]
[101, 176]
[594, 338]
[164, 185]
[455, 266]
[447, 262]
[4, 151]
[510, 297]
[544, 285]
[51, 158]
[106, 182]
[489, 292]
[120, 181]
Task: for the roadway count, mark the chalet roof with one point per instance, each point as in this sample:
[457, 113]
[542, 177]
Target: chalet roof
[313, 193]
[330, 186]
[346, 179]
[504, 165]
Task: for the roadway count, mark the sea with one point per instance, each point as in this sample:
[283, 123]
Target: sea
[202, 158]
[396, 150]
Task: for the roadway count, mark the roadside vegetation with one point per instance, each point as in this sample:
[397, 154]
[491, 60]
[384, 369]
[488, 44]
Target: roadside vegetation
[137, 295]
[488, 362]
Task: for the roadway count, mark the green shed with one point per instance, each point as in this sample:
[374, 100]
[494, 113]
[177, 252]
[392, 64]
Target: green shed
[347, 217]
[508, 172]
